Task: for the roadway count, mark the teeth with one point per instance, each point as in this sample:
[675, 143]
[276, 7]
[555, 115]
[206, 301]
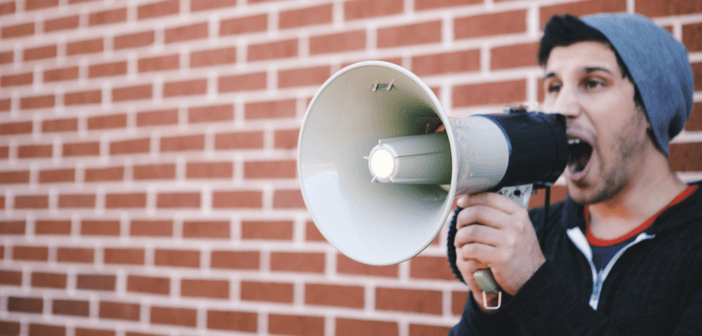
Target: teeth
[573, 141]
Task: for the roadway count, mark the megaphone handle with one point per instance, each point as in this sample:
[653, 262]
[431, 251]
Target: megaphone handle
[488, 284]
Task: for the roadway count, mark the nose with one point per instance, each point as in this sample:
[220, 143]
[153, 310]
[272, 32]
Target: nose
[565, 102]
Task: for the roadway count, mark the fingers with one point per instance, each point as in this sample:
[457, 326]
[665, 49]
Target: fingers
[477, 234]
[477, 251]
[490, 199]
[482, 214]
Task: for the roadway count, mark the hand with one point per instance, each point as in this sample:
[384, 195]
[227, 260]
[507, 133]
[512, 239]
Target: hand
[496, 232]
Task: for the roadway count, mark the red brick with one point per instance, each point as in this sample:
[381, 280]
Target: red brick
[340, 42]
[13, 227]
[178, 200]
[215, 289]
[313, 234]
[36, 151]
[76, 201]
[17, 80]
[61, 74]
[420, 330]
[161, 63]
[685, 157]
[39, 4]
[23, 127]
[272, 50]
[99, 228]
[432, 4]
[132, 93]
[452, 62]
[126, 256]
[186, 33]
[692, 36]
[130, 146]
[490, 24]
[435, 268]
[697, 73]
[237, 199]
[25, 305]
[14, 177]
[156, 9]
[267, 291]
[85, 47]
[514, 56]
[270, 169]
[489, 93]
[49, 280]
[104, 174]
[81, 149]
[303, 77]
[134, 40]
[32, 202]
[232, 320]
[69, 22]
[93, 332]
[155, 118]
[254, 81]
[107, 69]
[163, 228]
[210, 113]
[46, 330]
[305, 16]
[458, 301]
[248, 24]
[177, 258]
[52, 227]
[353, 327]
[107, 17]
[558, 193]
[652, 8]
[346, 265]
[70, 307]
[334, 295]
[7, 57]
[107, 122]
[271, 109]
[238, 260]
[9, 328]
[286, 139]
[273, 230]
[209, 170]
[5, 104]
[120, 311]
[75, 255]
[10, 278]
[298, 325]
[59, 125]
[96, 282]
[4, 152]
[183, 143]
[408, 300]
[213, 57]
[297, 262]
[174, 316]
[361, 9]
[131, 200]
[154, 172]
[694, 123]
[148, 285]
[9, 8]
[82, 98]
[18, 30]
[200, 5]
[586, 7]
[419, 33]
[288, 199]
[37, 102]
[33, 54]
[202, 229]
[239, 140]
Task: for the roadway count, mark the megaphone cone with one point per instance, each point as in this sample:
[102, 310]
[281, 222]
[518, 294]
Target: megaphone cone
[379, 187]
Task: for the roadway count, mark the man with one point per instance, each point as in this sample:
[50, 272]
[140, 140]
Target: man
[623, 254]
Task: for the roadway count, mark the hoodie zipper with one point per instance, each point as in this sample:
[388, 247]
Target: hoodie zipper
[598, 278]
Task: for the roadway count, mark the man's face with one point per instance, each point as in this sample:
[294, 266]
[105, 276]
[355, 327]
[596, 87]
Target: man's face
[606, 130]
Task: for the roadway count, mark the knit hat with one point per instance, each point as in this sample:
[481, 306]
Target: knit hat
[659, 67]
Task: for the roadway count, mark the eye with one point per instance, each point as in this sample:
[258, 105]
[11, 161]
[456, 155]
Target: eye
[591, 83]
[553, 87]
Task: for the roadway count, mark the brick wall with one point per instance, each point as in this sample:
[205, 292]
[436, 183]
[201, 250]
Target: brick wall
[147, 156]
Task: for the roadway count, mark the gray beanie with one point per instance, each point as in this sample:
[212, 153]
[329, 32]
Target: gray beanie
[659, 67]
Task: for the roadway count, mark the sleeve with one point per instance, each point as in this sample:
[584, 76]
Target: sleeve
[475, 322]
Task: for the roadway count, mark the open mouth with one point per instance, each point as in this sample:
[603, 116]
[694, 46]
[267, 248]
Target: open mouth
[579, 153]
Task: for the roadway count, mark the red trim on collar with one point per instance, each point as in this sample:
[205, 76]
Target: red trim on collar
[594, 241]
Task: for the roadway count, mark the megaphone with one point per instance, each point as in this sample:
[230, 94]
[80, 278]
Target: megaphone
[379, 182]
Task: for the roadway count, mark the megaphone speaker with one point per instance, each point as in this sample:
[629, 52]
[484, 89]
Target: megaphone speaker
[377, 179]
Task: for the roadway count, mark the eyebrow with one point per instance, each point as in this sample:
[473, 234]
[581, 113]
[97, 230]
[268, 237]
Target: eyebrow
[587, 70]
